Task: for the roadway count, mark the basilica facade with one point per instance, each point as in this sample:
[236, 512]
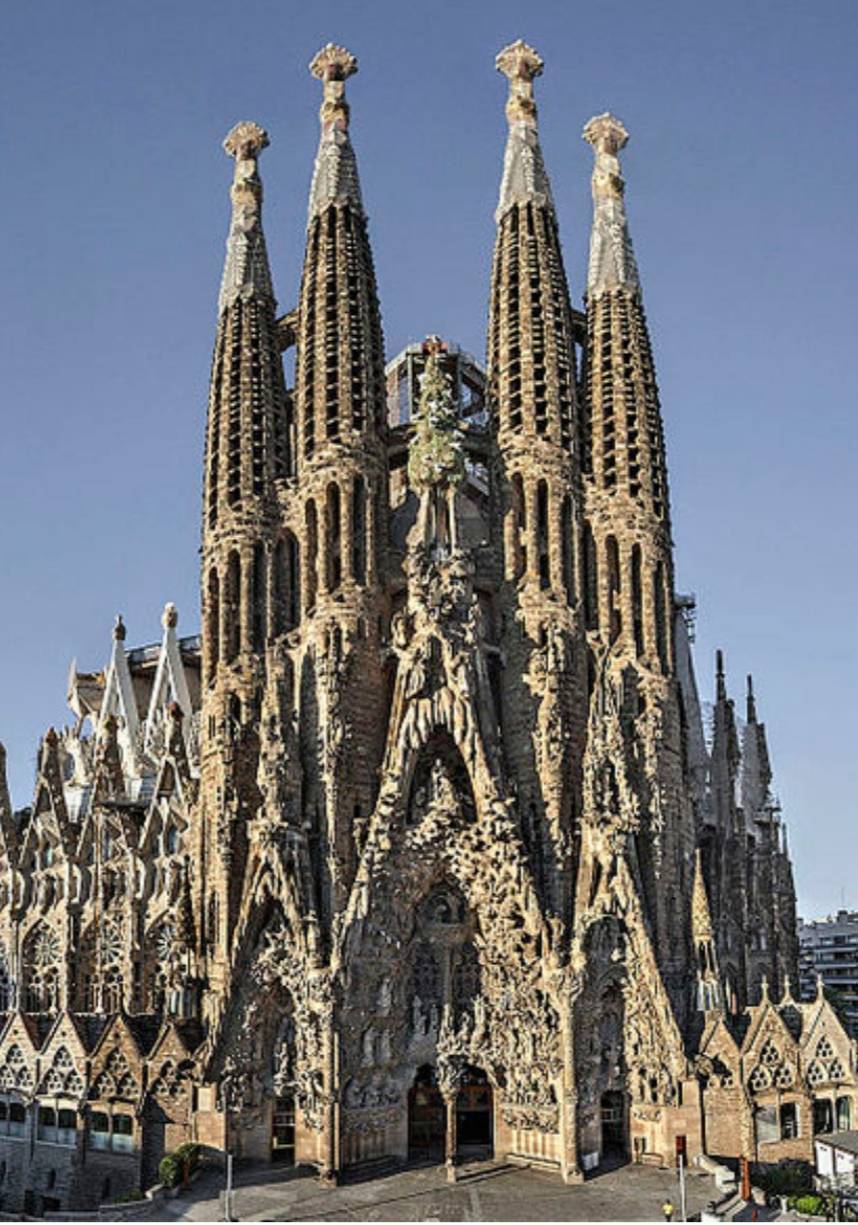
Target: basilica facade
[426, 846]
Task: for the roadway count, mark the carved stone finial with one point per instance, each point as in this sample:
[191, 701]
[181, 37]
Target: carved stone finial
[246, 140]
[333, 66]
[335, 175]
[612, 261]
[525, 178]
[246, 268]
[751, 704]
[606, 133]
[720, 683]
[119, 630]
[170, 616]
[520, 64]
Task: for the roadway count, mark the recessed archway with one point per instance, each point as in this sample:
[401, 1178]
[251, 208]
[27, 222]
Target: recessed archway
[474, 1115]
[427, 1119]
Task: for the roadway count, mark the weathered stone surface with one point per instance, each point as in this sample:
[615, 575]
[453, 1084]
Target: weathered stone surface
[421, 842]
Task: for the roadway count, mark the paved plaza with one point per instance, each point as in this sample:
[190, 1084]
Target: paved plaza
[484, 1192]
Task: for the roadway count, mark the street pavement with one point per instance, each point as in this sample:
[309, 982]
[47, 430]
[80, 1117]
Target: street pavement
[484, 1192]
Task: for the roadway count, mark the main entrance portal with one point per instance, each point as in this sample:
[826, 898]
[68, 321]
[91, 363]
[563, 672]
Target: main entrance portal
[426, 1116]
[474, 1130]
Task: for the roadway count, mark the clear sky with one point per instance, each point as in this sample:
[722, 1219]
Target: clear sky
[742, 183]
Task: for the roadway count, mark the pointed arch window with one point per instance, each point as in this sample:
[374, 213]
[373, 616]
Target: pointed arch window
[542, 535]
[258, 599]
[612, 556]
[519, 528]
[333, 531]
[233, 606]
[567, 547]
[590, 579]
[637, 600]
[359, 530]
[40, 964]
[7, 993]
[660, 611]
[311, 545]
[213, 623]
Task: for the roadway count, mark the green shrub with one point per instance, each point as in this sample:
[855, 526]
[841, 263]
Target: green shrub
[130, 1196]
[189, 1155]
[810, 1205]
[170, 1171]
[792, 1178]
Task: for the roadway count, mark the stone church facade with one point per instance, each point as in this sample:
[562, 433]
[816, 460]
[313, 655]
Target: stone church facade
[423, 845]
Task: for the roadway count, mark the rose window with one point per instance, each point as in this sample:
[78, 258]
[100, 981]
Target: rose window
[46, 949]
[111, 943]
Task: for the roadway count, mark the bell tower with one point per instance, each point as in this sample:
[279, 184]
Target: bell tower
[341, 506]
[532, 392]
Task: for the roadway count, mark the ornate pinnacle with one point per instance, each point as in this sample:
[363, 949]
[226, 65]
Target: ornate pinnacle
[333, 65]
[612, 261]
[246, 266]
[245, 142]
[520, 64]
[606, 133]
[119, 629]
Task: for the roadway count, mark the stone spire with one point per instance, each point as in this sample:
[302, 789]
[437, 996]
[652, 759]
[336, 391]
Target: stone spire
[340, 357]
[709, 995]
[335, 174]
[245, 271]
[531, 351]
[524, 174]
[612, 261]
[623, 453]
[248, 456]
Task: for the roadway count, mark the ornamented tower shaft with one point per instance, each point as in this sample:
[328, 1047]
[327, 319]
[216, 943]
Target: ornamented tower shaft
[531, 370]
[627, 555]
[341, 511]
[246, 454]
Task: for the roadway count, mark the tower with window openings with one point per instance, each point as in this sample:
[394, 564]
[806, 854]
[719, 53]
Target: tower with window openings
[423, 846]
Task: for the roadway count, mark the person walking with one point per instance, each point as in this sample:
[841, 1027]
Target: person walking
[668, 1210]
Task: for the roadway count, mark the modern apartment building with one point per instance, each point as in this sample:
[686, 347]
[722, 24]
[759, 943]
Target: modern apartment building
[829, 947]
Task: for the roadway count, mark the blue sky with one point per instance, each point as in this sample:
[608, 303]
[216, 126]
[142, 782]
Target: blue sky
[742, 176]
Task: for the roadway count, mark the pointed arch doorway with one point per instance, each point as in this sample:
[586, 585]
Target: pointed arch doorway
[427, 1117]
[474, 1115]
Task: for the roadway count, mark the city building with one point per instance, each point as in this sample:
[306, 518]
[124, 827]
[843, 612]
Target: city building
[420, 848]
[828, 949]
